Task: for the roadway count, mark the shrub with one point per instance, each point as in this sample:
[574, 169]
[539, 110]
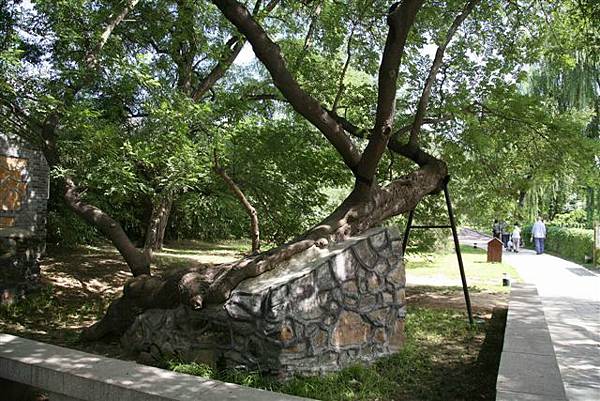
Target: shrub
[65, 229]
[571, 243]
[574, 219]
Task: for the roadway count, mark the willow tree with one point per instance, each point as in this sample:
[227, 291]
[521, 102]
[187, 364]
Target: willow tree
[569, 74]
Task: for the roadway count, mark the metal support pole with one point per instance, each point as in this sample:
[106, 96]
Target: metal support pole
[458, 254]
[407, 231]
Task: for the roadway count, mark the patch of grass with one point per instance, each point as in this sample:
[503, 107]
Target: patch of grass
[162, 262]
[38, 302]
[440, 361]
[203, 247]
[195, 369]
[480, 274]
[45, 316]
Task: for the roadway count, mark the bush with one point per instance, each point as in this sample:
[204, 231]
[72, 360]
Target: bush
[571, 243]
[574, 219]
[65, 229]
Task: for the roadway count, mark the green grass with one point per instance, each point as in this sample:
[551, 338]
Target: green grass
[44, 316]
[480, 274]
[440, 361]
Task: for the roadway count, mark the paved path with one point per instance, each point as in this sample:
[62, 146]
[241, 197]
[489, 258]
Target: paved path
[570, 297]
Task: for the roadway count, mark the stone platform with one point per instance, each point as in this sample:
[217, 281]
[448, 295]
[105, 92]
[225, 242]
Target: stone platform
[321, 311]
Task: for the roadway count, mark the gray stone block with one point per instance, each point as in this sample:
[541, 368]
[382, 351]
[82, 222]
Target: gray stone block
[512, 396]
[530, 373]
[528, 340]
[75, 375]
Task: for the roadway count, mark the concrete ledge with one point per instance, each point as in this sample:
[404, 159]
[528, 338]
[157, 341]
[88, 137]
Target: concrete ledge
[68, 374]
[528, 368]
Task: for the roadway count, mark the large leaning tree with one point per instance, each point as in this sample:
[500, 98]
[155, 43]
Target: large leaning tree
[40, 88]
[361, 150]
[75, 81]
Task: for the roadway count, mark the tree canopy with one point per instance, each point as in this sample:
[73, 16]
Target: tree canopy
[135, 103]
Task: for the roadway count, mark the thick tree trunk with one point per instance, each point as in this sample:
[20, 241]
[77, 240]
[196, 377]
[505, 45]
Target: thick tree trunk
[138, 261]
[155, 233]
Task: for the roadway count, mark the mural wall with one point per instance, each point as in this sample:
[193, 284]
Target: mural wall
[23, 199]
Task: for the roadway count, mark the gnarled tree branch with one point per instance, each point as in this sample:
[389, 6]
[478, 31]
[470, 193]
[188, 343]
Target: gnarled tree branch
[340, 90]
[93, 55]
[400, 19]
[233, 47]
[270, 55]
[239, 194]
[435, 66]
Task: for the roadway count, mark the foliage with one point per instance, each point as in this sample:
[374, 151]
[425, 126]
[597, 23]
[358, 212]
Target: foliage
[575, 244]
[133, 132]
[576, 218]
[207, 217]
[67, 230]
[519, 146]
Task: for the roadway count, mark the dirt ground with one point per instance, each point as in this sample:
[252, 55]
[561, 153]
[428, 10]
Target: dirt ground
[482, 303]
[78, 285]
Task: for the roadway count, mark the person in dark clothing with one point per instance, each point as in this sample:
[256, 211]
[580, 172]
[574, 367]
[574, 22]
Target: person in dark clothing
[496, 229]
[505, 234]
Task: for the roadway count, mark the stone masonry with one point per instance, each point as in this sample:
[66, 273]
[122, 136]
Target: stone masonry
[320, 312]
[23, 198]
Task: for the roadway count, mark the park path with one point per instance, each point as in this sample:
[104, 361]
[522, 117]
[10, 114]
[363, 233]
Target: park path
[570, 296]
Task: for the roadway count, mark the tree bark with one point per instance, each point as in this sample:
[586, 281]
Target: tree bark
[155, 233]
[138, 262]
[250, 210]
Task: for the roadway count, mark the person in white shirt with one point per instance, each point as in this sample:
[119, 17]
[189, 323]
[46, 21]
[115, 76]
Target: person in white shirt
[538, 235]
[516, 237]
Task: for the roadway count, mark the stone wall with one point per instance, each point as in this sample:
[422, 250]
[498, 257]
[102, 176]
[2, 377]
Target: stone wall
[319, 312]
[23, 199]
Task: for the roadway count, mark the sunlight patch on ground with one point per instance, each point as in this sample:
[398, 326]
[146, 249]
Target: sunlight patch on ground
[200, 258]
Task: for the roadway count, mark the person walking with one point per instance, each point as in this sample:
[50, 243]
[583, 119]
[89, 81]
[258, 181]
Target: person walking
[538, 235]
[496, 229]
[505, 234]
[516, 237]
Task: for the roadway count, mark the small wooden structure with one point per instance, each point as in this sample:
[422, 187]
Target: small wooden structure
[494, 250]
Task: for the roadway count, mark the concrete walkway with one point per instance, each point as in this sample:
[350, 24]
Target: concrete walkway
[570, 300]
[570, 297]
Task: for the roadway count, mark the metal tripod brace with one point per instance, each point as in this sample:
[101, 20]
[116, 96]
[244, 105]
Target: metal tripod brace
[452, 225]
